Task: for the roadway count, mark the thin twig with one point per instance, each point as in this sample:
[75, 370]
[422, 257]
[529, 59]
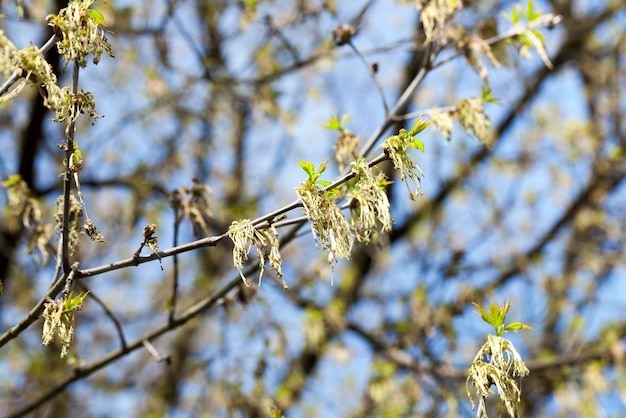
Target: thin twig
[372, 73]
[293, 221]
[402, 101]
[548, 20]
[135, 261]
[107, 312]
[274, 30]
[419, 113]
[68, 283]
[174, 296]
[270, 217]
[207, 303]
[58, 266]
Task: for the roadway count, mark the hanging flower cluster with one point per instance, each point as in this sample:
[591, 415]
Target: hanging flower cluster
[244, 235]
[80, 29]
[59, 320]
[396, 149]
[366, 197]
[369, 202]
[497, 363]
[330, 228]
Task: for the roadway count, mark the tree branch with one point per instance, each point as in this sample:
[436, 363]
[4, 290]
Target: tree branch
[67, 178]
[206, 304]
[108, 313]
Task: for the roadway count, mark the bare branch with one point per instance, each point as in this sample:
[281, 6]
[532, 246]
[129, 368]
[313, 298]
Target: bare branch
[372, 69]
[204, 305]
[107, 312]
[67, 178]
[135, 261]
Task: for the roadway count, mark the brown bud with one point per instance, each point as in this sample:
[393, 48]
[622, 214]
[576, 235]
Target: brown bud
[343, 34]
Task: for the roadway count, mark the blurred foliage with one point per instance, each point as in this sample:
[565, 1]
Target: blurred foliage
[210, 109]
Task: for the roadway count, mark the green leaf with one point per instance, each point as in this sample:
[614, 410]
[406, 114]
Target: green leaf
[333, 125]
[74, 302]
[322, 167]
[96, 16]
[516, 326]
[488, 97]
[419, 126]
[498, 314]
[530, 14]
[483, 314]
[418, 144]
[495, 317]
[314, 175]
[308, 167]
[12, 180]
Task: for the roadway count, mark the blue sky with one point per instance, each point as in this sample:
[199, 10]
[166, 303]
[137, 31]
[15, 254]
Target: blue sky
[341, 88]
